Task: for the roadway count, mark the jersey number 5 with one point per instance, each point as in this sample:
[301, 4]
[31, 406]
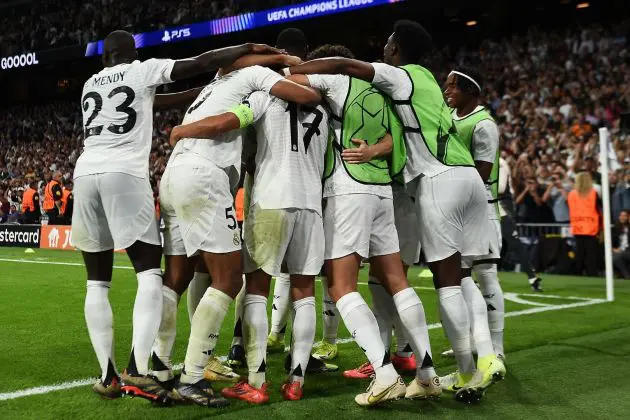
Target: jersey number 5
[312, 128]
[124, 107]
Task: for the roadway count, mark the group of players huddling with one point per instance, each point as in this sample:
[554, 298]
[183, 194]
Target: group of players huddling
[346, 161]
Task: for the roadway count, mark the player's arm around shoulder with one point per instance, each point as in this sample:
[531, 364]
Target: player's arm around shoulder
[263, 60]
[215, 59]
[294, 92]
[336, 65]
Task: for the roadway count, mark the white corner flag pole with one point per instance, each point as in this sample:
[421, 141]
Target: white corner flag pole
[603, 159]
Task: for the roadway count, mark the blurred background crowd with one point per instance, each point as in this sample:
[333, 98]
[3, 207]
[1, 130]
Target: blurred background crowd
[550, 92]
[57, 23]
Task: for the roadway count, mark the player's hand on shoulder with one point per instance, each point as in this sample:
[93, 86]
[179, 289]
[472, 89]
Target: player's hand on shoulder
[292, 60]
[265, 49]
[360, 154]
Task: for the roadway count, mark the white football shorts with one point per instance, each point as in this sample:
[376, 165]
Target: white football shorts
[359, 223]
[198, 208]
[494, 254]
[406, 225]
[113, 211]
[452, 214]
[274, 236]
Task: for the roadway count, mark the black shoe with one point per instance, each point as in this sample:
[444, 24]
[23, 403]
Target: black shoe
[536, 285]
[236, 358]
[200, 393]
[314, 365]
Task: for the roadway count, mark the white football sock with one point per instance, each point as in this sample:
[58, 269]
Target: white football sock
[198, 286]
[163, 346]
[147, 315]
[330, 315]
[362, 325]
[493, 295]
[403, 348]
[456, 323]
[304, 320]
[478, 317]
[255, 330]
[237, 334]
[281, 302]
[414, 321]
[204, 333]
[100, 321]
[384, 310]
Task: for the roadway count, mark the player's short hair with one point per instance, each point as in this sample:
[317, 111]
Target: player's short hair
[412, 39]
[294, 41]
[330, 50]
[467, 85]
[119, 41]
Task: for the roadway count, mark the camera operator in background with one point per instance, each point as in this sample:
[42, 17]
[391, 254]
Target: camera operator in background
[532, 207]
[556, 194]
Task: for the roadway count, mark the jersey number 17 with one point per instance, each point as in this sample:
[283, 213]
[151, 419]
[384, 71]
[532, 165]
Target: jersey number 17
[312, 128]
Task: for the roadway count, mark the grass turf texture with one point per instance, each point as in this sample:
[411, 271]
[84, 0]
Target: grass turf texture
[569, 362]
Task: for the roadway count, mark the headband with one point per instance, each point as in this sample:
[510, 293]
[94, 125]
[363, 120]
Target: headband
[459, 73]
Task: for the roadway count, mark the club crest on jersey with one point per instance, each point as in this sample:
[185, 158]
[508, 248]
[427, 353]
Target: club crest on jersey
[236, 239]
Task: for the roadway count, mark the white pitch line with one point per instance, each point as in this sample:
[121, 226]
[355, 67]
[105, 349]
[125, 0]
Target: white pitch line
[513, 297]
[124, 267]
[45, 389]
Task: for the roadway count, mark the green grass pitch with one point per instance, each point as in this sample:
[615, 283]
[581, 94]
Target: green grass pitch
[568, 352]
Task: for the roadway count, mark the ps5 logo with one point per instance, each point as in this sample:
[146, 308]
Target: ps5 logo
[176, 34]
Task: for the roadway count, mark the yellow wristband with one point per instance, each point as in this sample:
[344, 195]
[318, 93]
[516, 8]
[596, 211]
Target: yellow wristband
[244, 114]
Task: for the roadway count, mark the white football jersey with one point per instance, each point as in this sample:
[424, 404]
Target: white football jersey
[221, 95]
[291, 147]
[117, 105]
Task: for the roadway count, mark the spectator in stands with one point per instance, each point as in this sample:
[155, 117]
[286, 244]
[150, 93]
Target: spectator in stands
[14, 215]
[5, 207]
[533, 207]
[556, 196]
[621, 246]
[584, 215]
[619, 193]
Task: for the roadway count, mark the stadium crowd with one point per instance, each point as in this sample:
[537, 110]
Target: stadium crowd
[549, 91]
[57, 23]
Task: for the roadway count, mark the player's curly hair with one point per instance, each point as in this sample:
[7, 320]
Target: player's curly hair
[465, 85]
[330, 50]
